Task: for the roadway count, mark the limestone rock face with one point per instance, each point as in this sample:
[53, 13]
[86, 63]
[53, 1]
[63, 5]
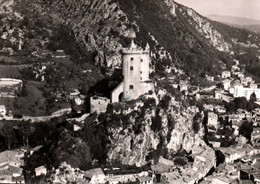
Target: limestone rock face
[203, 26]
[95, 24]
[138, 134]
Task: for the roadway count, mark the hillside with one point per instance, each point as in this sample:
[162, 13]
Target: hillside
[178, 37]
[68, 50]
[234, 20]
[240, 22]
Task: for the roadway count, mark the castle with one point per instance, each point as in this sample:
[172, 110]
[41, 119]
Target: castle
[136, 74]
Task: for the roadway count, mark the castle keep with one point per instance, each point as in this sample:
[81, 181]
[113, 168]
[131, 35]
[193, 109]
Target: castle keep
[136, 74]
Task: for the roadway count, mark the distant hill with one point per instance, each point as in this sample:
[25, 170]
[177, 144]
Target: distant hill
[234, 20]
[241, 22]
[255, 28]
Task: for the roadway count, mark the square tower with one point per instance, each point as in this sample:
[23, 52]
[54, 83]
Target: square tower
[136, 71]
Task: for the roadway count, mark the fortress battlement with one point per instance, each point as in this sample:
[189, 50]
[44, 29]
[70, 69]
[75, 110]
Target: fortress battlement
[134, 49]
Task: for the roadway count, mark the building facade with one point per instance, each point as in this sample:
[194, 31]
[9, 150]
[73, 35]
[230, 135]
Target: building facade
[136, 74]
[240, 91]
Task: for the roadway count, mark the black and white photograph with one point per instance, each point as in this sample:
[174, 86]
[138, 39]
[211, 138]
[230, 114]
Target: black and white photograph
[129, 91]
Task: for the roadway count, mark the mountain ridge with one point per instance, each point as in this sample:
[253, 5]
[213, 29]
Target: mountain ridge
[233, 19]
[240, 22]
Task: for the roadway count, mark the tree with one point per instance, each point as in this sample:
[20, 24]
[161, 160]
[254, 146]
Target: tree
[231, 106]
[246, 129]
[252, 97]
[220, 85]
[241, 102]
[26, 130]
[72, 150]
[7, 131]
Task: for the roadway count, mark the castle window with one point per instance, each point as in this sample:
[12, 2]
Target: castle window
[131, 86]
[141, 78]
[141, 72]
[141, 60]
[131, 59]
[131, 68]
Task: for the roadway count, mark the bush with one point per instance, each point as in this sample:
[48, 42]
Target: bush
[246, 129]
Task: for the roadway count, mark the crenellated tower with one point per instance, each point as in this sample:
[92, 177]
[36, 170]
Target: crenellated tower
[136, 71]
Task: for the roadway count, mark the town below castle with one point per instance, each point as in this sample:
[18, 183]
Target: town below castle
[240, 161]
[126, 92]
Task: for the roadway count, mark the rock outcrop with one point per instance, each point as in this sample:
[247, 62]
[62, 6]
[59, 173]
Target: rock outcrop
[202, 25]
[142, 128]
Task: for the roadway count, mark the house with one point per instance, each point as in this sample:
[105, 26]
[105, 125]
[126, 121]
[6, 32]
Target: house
[243, 81]
[59, 54]
[249, 79]
[212, 119]
[218, 94]
[241, 91]
[220, 109]
[79, 100]
[145, 180]
[233, 84]
[10, 166]
[253, 85]
[226, 74]
[256, 178]
[98, 104]
[183, 85]
[255, 137]
[246, 182]
[74, 93]
[215, 144]
[234, 152]
[2, 110]
[95, 176]
[42, 170]
[226, 84]
[40, 53]
[197, 96]
[11, 174]
[209, 78]
[241, 75]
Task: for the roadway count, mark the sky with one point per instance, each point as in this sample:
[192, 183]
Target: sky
[238, 8]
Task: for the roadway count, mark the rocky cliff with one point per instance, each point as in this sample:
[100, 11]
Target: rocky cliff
[201, 24]
[147, 128]
[178, 36]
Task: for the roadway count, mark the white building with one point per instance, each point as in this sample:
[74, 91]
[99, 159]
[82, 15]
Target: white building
[183, 85]
[249, 79]
[95, 176]
[226, 74]
[240, 91]
[98, 104]
[145, 180]
[233, 84]
[42, 170]
[2, 110]
[218, 94]
[253, 85]
[10, 166]
[226, 84]
[136, 74]
[212, 119]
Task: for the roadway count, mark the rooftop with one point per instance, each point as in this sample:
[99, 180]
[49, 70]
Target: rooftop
[92, 172]
[144, 179]
[135, 49]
